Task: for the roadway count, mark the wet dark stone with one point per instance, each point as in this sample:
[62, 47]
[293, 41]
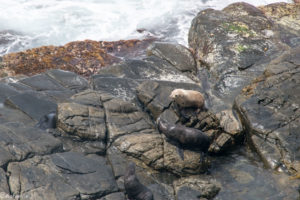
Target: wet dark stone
[33, 105]
[269, 108]
[42, 82]
[68, 79]
[119, 87]
[6, 91]
[4, 188]
[177, 55]
[188, 193]
[19, 142]
[114, 196]
[62, 176]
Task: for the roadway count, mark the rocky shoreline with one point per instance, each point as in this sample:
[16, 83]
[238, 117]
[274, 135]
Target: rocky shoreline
[246, 62]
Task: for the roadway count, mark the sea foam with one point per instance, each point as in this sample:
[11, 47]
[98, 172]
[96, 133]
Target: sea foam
[30, 23]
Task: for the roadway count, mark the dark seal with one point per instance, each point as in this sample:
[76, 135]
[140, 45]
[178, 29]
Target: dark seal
[186, 137]
[47, 121]
[134, 189]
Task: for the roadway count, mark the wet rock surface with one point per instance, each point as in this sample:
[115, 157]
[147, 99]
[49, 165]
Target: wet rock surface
[234, 45]
[103, 123]
[269, 108]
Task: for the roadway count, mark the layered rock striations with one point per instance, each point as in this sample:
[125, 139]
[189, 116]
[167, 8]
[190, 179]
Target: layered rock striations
[243, 59]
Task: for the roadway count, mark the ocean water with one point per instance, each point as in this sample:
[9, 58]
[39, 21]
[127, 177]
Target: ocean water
[31, 23]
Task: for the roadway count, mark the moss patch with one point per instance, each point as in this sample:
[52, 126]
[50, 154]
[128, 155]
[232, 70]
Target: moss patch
[240, 48]
[239, 28]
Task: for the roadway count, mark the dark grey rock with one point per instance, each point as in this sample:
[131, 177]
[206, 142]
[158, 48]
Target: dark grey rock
[87, 122]
[19, 142]
[42, 82]
[68, 79]
[234, 49]
[46, 85]
[177, 55]
[12, 115]
[62, 176]
[152, 68]
[33, 105]
[118, 87]
[6, 91]
[124, 117]
[114, 196]
[269, 108]
[4, 189]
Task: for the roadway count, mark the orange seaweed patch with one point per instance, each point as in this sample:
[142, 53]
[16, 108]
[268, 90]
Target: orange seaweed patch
[82, 57]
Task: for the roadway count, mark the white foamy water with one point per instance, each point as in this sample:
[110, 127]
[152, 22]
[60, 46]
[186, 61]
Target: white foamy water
[30, 23]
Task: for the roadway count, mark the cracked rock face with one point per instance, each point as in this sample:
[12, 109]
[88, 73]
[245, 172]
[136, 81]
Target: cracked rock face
[62, 176]
[236, 44]
[110, 120]
[269, 108]
[19, 142]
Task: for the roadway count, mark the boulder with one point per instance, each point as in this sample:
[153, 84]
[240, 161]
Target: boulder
[236, 44]
[62, 176]
[125, 117]
[6, 91]
[269, 109]
[152, 68]
[196, 187]
[19, 142]
[114, 196]
[33, 104]
[4, 189]
[145, 147]
[85, 117]
[182, 161]
[286, 17]
[177, 55]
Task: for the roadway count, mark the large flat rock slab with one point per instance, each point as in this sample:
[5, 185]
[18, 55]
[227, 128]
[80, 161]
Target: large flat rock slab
[6, 91]
[177, 55]
[34, 105]
[68, 79]
[62, 176]
[18, 142]
[118, 87]
[152, 68]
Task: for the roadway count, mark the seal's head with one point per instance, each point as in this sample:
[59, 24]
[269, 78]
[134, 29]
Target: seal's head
[130, 169]
[162, 125]
[176, 93]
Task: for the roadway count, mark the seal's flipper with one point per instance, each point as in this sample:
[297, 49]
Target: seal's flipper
[180, 152]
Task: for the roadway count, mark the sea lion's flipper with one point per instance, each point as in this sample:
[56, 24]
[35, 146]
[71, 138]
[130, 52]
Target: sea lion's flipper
[180, 152]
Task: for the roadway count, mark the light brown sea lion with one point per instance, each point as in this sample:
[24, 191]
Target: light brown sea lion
[187, 98]
[134, 189]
